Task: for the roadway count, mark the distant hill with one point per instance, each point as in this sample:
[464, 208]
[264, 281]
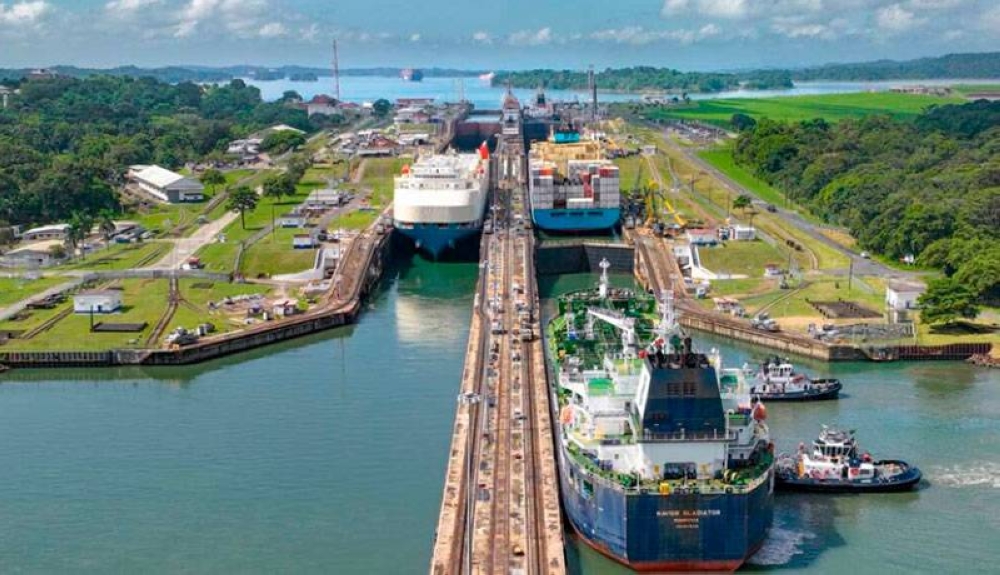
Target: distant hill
[982, 65]
[175, 74]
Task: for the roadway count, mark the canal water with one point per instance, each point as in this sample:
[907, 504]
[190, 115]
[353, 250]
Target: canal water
[486, 97]
[327, 455]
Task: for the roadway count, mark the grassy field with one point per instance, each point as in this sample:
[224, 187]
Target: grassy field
[378, 177]
[357, 220]
[722, 160]
[713, 196]
[274, 254]
[207, 292]
[119, 257]
[13, 290]
[221, 256]
[966, 89]
[144, 301]
[628, 169]
[746, 258]
[795, 108]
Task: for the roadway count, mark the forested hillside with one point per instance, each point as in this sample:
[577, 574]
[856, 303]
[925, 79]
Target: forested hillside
[928, 187]
[645, 78]
[66, 143]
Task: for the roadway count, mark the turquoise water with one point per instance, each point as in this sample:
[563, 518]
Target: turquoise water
[327, 455]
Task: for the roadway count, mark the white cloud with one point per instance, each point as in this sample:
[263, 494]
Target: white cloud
[309, 33]
[738, 9]
[414, 37]
[23, 13]
[531, 37]
[272, 30]
[895, 19]
[242, 18]
[638, 36]
[482, 37]
[119, 6]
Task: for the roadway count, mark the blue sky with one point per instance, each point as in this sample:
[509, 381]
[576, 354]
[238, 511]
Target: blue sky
[685, 34]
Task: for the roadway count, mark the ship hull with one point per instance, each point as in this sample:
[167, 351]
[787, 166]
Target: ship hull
[903, 482]
[676, 532]
[575, 220]
[437, 240]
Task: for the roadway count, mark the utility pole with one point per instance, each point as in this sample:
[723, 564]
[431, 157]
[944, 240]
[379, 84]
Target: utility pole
[336, 72]
[850, 276]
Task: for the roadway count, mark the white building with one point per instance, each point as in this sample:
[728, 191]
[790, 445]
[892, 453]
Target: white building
[50, 232]
[303, 241]
[36, 255]
[165, 185]
[903, 295]
[292, 220]
[97, 301]
[324, 199]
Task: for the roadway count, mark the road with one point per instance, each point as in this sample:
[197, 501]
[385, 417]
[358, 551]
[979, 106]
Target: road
[862, 266]
[184, 248]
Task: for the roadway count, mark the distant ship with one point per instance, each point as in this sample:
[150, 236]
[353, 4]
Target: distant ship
[411, 75]
[664, 463]
[441, 199]
[572, 186]
[487, 78]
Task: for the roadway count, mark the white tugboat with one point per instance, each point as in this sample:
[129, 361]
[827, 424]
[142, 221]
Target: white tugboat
[836, 465]
[777, 380]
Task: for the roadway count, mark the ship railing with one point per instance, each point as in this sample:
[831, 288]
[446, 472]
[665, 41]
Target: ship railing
[685, 435]
[679, 486]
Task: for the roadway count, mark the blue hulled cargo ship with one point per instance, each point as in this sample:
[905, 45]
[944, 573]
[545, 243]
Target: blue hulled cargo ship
[572, 186]
[440, 201]
[664, 465]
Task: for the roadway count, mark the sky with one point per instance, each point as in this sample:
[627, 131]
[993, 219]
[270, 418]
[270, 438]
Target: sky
[491, 34]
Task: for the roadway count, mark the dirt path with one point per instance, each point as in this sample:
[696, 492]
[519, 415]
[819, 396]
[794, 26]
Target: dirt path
[184, 248]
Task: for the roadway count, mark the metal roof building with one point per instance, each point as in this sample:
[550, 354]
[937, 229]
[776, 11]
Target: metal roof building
[165, 185]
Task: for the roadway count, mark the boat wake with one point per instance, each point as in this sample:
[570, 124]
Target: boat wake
[781, 546]
[980, 474]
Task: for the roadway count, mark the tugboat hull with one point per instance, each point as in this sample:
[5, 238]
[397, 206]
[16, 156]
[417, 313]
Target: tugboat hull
[902, 482]
[830, 391]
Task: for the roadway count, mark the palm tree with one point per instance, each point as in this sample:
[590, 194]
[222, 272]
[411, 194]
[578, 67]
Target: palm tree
[79, 226]
[106, 221]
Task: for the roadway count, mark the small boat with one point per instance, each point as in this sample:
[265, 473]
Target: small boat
[835, 466]
[778, 381]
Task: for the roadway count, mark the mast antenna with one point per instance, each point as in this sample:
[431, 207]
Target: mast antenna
[336, 72]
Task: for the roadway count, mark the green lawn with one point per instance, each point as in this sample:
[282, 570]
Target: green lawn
[794, 304]
[210, 292]
[274, 254]
[145, 300]
[220, 257]
[119, 257]
[743, 287]
[161, 218]
[13, 290]
[357, 220]
[966, 89]
[628, 169]
[378, 176]
[795, 108]
[747, 258]
[722, 159]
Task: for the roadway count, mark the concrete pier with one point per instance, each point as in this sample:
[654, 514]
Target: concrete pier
[500, 510]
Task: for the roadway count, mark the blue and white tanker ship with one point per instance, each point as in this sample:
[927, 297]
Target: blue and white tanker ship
[664, 463]
[440, 200]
